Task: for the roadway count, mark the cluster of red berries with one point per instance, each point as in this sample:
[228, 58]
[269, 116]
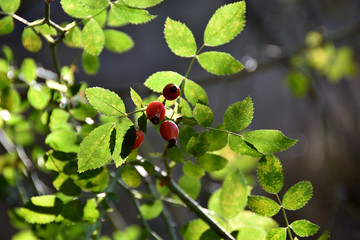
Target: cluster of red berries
[155, 112]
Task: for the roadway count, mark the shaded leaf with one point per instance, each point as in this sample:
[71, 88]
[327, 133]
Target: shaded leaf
[226, 23]
[191, 185]
[41, 209]
[105, 101]
[62, 140]
[263, 206]
[193, 170]
[185, 133]
[117, 41]
[233, 187]
[298, 195]
[125, 138]
[198, 144]
[212, 162]
[73, 210]
[218, 139]
[304, 228]
[269, 141]
[90, 63]
[179, 38]
[270, 175]
[219, 63]
[239, 115]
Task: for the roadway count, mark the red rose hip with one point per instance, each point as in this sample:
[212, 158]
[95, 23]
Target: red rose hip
[171, 91]
[169, 131]
[139, 139]
[155, 112]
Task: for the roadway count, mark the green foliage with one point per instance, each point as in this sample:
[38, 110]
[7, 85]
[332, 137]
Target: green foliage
[90, 136]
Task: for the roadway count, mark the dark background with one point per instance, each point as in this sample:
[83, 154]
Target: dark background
[326, 122]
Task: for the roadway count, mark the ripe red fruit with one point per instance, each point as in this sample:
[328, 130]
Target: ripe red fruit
[139, 139]
[169, 131]
[171, 91]
[155, 112]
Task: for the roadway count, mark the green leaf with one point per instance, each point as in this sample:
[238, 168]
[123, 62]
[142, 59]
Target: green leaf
[73, 210]
[276, 234]
[93, 38]
[5, 82]
[298, 195]
[151, 210]
[83, 111]
[131, 232]
[185, 133]
[193, 170]
[239, 146]
[95, 180]
[248, 218]
[304, 228]
[135, 97]
[24, 235]
[194, 229]
[131, 15]
[30, 40]
[10, 99]
[219, 63]
[74, 37]
[125, 135]
[191, 185]
[239, 115]
[6, 25]
[28, 69]
[91, 213]
[194, 93]
[95, 4]
[250, 232]
[212, 162]
[117, 41]
[62, 140]
[269, 141]
[58, 119]
[218, 139]
[105, 101]
[270, 175]
[233, 187]
[75, 9]
[40, 209]
[227, 22]
[179, 38]
[175, 154]
[130, 176]
[263, 206]
[39, 96]
[90, 63]
[203, 115]
[159, 80]
[324, 236]
[8, 53]
[142, 3]
[298, 83]
[198, 144]
[10, 6]
[113, 20]
[94, 150]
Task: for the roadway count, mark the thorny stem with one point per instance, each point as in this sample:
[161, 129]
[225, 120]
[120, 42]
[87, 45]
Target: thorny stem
[285, 217]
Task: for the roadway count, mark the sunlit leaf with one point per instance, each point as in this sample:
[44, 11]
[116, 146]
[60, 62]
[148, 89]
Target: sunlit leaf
[39, 96]
[131, 15]
[194, 93]
[263, 206]
[93, 38]
[239, 115]
[6, 25]
[91, 213]
[304, 228]
[28, 69]
[151, 210]
[135, 97]
[179, 38]
[76, 9]
[298, 195]
[10, 6]
[159, 80]
[142, 3]
[40, 209]
[191, 185]
[105, 101]
[219, 63]
[30, 40]
[95, 4]
[198, 144]
[226, 23]
[250, 232]
[194, 229]
[270, 175]
[276, 234]
[239, 146]
[130, 176]
[203, 115]
[193, 170]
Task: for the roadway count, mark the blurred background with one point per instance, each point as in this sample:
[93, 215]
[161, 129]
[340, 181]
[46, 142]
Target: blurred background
[301, 60]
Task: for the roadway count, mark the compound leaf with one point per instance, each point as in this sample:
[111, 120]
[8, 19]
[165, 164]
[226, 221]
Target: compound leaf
[298, 195]
[226, 23]
[105, 101]
[239, 115]
[93, 38]
[117, 41]
[179, 38]
[304, 228]
[269, 141]
[263, 206]
[269, 173]
[219, 63]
